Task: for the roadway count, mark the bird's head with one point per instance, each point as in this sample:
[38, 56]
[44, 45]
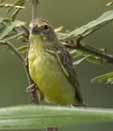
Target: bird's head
[43, 32]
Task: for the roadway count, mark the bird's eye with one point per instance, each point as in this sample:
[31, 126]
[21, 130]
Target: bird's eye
[46, 27]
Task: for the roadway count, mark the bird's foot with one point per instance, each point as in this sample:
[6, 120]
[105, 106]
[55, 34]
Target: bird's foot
[33, 91]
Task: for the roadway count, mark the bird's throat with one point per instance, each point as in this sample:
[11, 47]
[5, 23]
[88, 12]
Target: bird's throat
[36, 43]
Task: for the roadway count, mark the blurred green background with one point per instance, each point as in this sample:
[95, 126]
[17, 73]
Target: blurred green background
[71, 14]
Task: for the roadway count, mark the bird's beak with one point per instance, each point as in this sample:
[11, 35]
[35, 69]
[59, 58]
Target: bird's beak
[35, 30]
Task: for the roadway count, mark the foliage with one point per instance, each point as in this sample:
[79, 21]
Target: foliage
[11, 28]
[38, 117]
[106, 78]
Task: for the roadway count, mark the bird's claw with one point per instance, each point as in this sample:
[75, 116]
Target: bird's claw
[33, 92]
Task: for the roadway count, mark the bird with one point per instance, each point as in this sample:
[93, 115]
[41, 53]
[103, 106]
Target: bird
[51, 67]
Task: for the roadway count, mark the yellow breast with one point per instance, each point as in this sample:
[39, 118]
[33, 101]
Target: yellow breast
[46, 72]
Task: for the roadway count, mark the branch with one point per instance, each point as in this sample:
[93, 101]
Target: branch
[34, 10]
[24, 62]
[91, 50]
[15, 51]
[96, 52]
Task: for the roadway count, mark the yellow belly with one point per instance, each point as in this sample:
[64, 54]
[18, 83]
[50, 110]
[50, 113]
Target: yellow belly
[47, 74]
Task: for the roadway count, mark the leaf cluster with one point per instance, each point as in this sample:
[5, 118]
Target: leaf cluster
[11, 28]
[34, 117]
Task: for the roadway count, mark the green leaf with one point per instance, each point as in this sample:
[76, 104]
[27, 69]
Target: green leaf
[110, 3]
[36, 117]
[14, 36]
[80, 56]
[77, 62]
[23, 49]
[17, 3]
[89, 28]
[9, 28]
[11, 6]
[13, 29]
[105, 78]
[95, 60]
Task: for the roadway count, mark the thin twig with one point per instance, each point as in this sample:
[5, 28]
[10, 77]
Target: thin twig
[91, 50]
[11, 5]
[96, 52]
[16, 52]
[10, 45]
[52, 129]
[26, 69]
[34, 10]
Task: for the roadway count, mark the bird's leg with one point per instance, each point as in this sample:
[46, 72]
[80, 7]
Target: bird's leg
[33, 91]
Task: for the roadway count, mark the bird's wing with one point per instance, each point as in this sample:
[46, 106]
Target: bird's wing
[65, 61]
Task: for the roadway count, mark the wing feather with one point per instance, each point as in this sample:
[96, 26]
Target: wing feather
[67, 65]
[65, 61]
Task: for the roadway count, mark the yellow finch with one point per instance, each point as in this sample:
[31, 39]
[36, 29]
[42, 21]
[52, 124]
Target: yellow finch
[51, 68]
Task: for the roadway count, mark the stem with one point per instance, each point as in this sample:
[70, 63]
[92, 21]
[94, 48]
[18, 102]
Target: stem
[15, 51]
[91, 50]
[94, 51]
[34, 10]
[26, 69]
[52, 129]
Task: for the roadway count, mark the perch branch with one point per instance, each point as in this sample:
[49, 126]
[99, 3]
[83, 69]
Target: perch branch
[91, 50]
[52, 129]
[34, 10]
[16, 52]
[25, 65]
